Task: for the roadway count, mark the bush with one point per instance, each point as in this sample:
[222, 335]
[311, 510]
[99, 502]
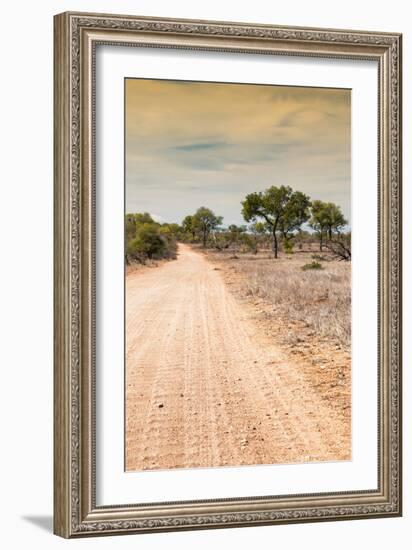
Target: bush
[288, 246]
[248, 243]
[312, 265]
[147, 243]
[146, 239]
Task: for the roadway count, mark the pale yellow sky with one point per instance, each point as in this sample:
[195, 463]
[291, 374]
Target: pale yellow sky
[191, 144]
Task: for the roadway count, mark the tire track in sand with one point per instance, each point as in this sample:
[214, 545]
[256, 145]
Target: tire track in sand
[204, 386]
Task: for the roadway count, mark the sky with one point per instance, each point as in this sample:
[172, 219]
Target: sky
[192, 144]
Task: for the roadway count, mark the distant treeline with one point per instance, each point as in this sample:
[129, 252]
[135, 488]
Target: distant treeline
[275, 219]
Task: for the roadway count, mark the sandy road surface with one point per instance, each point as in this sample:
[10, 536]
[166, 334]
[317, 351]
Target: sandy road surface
[205, 387]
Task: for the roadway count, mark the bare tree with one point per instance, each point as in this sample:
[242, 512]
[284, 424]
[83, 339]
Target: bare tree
[340, 247]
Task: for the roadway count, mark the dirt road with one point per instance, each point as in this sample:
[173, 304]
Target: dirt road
[205, 386]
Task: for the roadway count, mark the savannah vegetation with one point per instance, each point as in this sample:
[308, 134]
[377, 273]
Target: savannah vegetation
[278, 218]
[146, 239]
[292, 252]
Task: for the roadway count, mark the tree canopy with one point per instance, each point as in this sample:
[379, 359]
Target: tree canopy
[326, 218]
[283, 209]
[189, 226]
[205, 221]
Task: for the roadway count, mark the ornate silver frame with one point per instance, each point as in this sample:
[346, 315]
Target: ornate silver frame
[76, 36]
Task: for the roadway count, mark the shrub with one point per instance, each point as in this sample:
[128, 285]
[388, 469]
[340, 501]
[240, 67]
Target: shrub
[248, 243]
[148, 242]
[146, 239]
[288, 246]
[312, 265]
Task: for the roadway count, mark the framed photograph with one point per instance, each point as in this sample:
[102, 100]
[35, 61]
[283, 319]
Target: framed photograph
[227, 274]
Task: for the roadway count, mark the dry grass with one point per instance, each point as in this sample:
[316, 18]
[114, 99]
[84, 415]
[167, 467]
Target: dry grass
[320, 298]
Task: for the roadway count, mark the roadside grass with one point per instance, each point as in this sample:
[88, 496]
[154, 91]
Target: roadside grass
[318, 296]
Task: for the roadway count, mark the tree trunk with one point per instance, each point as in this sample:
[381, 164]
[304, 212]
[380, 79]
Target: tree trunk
[321, 241]
[330, 233]
[204, 239]
[275, 244]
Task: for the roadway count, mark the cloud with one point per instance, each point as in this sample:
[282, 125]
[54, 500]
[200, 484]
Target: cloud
[192, 143]
[198, 146]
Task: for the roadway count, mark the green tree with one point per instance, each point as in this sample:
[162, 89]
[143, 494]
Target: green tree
[171, 230]
[326, 218]
[189, 226]
[206, 221]
[335, 219]
[283, 209]
[258, 228]
[318, 220]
